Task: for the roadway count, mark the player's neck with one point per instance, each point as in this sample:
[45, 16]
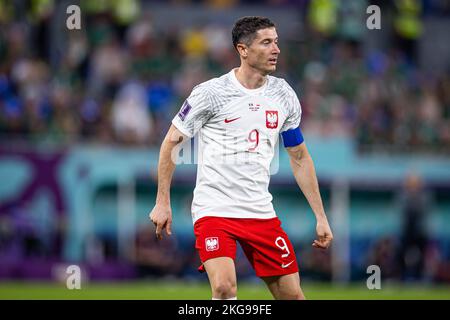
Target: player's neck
[249, 77]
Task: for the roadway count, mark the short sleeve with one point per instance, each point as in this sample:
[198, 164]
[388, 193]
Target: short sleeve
[194, 113]
[294, 113]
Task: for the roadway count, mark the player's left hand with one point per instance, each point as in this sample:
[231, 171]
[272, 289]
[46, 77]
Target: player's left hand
[324, 235]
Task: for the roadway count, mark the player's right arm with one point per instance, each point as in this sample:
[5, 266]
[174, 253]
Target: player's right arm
[161, 215]
[194, 113]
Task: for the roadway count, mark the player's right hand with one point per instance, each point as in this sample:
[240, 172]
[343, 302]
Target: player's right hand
[161, 216]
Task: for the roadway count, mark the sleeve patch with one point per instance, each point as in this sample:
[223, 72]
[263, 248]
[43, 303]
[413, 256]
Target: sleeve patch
[184, 110]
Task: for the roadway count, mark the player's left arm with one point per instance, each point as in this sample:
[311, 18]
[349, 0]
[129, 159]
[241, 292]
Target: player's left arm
[305, 174]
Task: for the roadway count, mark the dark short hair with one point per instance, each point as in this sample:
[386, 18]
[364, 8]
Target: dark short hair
[244, 30]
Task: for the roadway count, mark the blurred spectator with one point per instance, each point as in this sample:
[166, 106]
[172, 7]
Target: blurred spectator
[194, 42]
[352, 19]
[132, 122]
[414, 238]
[66, 89]
[323, 16]
[108, 67]
[408, 26]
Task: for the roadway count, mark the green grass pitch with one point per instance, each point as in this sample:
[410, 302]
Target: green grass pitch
[173, 290]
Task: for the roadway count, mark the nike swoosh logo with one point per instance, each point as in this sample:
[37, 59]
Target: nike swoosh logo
[231, 120]
[286, 265]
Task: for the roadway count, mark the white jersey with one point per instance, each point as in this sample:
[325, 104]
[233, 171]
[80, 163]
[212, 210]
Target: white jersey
[238, 129]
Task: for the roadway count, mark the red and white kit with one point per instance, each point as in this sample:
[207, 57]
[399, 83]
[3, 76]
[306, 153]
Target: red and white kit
[238, 129]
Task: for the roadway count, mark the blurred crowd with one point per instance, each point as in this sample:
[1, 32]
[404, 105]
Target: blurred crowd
[121, 78]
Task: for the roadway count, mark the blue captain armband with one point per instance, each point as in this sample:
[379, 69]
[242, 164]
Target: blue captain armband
[292, 137]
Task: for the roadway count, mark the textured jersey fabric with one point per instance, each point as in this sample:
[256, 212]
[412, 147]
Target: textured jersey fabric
[237, 131]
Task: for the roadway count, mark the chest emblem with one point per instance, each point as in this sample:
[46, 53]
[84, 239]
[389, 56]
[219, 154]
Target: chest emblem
[271, 119]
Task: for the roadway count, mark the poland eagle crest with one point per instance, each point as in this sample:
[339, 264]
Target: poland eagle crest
[271, 119]
[212, 244]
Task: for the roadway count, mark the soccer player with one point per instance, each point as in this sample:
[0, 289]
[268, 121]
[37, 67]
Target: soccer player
[238, 118]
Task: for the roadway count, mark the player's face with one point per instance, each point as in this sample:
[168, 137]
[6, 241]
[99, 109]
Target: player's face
[262, 54]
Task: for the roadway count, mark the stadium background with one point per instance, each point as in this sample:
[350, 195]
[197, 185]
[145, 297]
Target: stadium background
[83, 112]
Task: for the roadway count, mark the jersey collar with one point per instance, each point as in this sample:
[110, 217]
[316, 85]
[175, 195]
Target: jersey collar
[246, 90]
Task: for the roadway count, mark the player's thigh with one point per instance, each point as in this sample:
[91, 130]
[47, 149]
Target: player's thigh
[221, 271]
[285, 287]
[268, 248]
[214, 239]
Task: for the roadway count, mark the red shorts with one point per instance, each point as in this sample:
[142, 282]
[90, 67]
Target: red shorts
[263, 241]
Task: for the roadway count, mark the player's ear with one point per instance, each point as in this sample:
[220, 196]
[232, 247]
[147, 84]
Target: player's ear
[242, 49]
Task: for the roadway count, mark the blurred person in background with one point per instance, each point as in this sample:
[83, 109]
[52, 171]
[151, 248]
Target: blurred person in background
[242, 114]
[408, 27]
[415, 203]
[132, 121]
